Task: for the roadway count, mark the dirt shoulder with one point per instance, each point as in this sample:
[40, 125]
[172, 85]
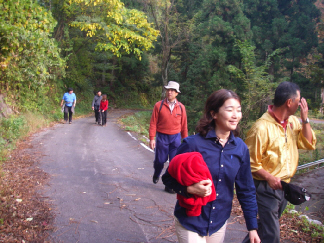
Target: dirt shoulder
[24, 216]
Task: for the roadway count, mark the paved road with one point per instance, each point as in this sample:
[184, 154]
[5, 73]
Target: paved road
[101, 186]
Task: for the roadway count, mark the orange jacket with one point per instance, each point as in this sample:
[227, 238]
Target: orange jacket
[163, 121]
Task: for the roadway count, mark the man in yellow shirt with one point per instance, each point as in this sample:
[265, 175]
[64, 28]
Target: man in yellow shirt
[273, 142]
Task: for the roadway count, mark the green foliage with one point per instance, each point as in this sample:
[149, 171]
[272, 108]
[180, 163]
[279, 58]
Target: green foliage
[116, 28]
[138, 122]
[306, 156]
[288, 208]
[281, 24]
[30, 59]
[204, 58]
[10, 130]
[316, 231]
[256, 85]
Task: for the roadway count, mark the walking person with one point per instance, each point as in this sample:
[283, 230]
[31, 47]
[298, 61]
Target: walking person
[103, 110]
[227, 159]
[273, 142]
[69, 101]
[168, 123]
[96, 105]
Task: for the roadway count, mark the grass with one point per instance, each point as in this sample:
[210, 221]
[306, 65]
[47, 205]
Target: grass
[306, 156]
[139, 123]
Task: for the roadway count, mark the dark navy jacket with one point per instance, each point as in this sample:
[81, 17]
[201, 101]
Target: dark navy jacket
[228, 166]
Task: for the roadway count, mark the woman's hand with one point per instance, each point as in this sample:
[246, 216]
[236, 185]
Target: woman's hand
[254, 237]
[202, 188]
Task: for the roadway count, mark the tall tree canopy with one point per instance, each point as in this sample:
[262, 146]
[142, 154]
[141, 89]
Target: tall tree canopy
[282, 24]
[115, 28]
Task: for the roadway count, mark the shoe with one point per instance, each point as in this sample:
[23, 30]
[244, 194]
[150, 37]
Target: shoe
[70, 122]
[169, 190]
[155, 179]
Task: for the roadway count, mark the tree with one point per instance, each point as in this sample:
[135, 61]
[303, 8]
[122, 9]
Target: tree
[256, 83]
[173, 31]
[205, 57]
[30, 58]
[113, 27]
[282, 24]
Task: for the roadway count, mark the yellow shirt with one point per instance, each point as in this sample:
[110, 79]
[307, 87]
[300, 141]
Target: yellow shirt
[274, 149]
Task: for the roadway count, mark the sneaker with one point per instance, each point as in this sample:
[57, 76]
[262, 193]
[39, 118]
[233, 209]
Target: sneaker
[70, 122]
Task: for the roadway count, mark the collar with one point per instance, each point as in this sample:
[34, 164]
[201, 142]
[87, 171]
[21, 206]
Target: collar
[212, 135]
[171, 103]
[282, 123]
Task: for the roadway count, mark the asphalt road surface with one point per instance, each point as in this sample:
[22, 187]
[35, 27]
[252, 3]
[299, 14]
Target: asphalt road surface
[101, 185]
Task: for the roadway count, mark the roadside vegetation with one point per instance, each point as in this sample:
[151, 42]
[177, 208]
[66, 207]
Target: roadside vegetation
[138, 123]
[318, 153]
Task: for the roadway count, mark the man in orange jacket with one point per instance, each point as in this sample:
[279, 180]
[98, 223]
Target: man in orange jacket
[168, 123]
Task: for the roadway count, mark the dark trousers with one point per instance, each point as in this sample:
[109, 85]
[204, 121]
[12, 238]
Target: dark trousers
[165, 147]
[97, 114]
[68, 113]
[103, 117]
[271, 204]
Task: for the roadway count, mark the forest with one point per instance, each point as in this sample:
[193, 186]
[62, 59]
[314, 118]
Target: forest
[129, 49]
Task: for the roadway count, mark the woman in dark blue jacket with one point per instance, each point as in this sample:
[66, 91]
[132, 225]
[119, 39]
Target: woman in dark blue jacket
[228, 160]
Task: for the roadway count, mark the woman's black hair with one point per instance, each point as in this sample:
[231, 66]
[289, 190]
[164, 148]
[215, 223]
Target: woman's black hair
[213, 103]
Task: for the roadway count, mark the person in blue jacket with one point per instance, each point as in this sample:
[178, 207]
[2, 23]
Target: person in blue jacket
[228, 160]
[69, 101]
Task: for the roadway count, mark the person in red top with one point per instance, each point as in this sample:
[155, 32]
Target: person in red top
[103, 110]
[168, 123]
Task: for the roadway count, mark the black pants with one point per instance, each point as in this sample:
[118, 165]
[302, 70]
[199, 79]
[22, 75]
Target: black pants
[271, 204]
[97, 114]
[103, 117]
[68, 113]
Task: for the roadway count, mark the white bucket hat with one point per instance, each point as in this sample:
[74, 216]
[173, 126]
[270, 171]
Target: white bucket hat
[173, 85]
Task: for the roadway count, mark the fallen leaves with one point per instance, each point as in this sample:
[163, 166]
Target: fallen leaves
[24, 215]
[291, 227]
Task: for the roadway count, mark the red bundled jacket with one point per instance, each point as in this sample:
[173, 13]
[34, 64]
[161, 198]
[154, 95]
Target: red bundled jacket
[188, 169]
